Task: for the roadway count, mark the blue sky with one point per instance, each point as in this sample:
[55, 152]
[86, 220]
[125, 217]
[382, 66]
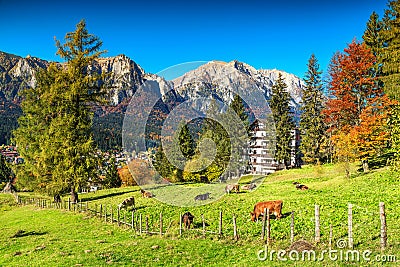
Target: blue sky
[158, 34]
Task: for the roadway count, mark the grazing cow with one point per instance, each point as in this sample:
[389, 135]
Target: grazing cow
[146, 194]
[202, 197]
[300, 186]
[232, 187]
[275, 207]
[130, 201]
[187, 219]
[249, 186]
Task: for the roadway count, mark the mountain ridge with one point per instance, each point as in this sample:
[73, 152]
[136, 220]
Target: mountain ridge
[126, 76]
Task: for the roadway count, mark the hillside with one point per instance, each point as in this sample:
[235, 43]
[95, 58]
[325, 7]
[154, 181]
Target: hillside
[50, 237]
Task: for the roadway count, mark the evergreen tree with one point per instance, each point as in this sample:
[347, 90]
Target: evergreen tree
[112, 179]
[373, 34]
[284, 124]
[238, 106]
[55, 131]
[312, 127]
[389, 58]
[161, 164]
[186, 142]
[5, 170]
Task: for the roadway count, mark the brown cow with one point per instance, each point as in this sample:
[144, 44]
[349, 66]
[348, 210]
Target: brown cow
[300, 186]
[249, 186]
[275, 207]
[146, 194]
[187, 220]
[130, 201]
[232, 187]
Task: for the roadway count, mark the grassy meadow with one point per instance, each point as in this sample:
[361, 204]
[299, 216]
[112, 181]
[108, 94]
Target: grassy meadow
[31, 236]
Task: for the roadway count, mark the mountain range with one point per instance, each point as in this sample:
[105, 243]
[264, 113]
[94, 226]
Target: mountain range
[126, 76]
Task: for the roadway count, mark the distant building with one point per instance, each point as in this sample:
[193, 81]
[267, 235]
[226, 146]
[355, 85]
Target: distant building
[261, 151]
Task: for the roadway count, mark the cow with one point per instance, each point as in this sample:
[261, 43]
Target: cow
[187, 219]
[130, 201]
[231, 187]
[249, 186]
[275, 207]
[300, 186]
[202, 197]
[146, 194]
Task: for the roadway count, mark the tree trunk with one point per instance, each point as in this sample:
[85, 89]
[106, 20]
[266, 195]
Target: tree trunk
[74, 196]
[365, 166]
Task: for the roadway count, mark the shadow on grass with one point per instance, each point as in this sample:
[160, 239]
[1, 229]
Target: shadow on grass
[91, 198]
[22, 233]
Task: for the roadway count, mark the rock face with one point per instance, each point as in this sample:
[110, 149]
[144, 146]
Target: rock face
[17, 73]
[224, 78]
[125, 76]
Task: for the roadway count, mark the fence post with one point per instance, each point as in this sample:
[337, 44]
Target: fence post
[292, 228]
[147, 224]
[220, 223]
[101, 211]
[268, 228]
[161, 226]
[317, 225]
[204, 226]
[382, 216]
[111, 214]
[180, 224]
[105, 213]
[118, 216]
[69, 204]
[330, 236]
[350, 225]
[235, 234]
[140, 223]
[263, 224]
[133, 219]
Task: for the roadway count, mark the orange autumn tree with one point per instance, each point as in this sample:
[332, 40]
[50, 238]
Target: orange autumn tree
[357, 109]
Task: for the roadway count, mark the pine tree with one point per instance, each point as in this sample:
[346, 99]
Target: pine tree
[373, 34]
[284, 124]
[5, 170]
[55, 131]
[389, 58]
[112, 179]
[238, 106]
[186, 142]
[312, 126]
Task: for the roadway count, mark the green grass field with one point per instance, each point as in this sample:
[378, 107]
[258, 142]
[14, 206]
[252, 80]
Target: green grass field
[31, 236]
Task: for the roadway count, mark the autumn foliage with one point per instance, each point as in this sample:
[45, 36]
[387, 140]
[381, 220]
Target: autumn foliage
[358, 109]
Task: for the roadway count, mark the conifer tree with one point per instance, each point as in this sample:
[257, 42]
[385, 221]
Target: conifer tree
[284, 124]
[55, 131]
[5, 170]
[312, 127]
[389, 58]
[373, 34]
[112, 179]
[186, 142]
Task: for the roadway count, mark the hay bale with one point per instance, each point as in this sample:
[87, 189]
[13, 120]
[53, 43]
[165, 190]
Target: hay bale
[300, 246]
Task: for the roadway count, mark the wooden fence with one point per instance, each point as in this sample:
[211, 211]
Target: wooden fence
[140, 225]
